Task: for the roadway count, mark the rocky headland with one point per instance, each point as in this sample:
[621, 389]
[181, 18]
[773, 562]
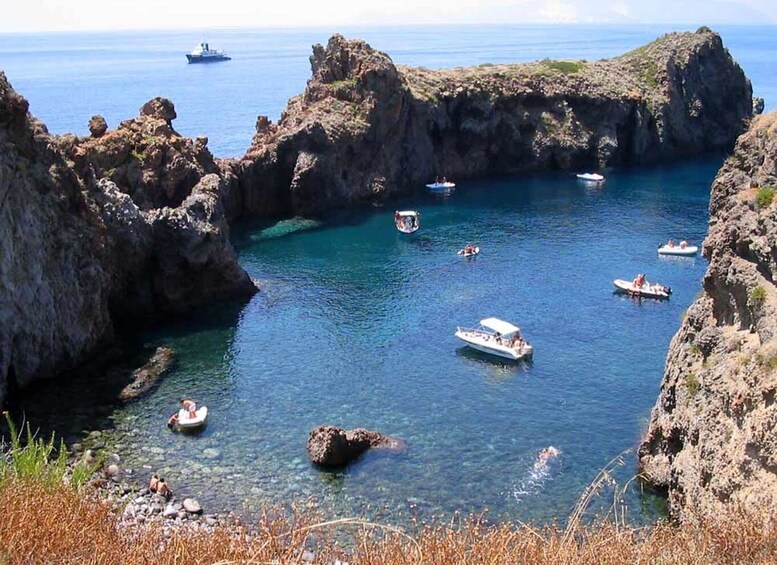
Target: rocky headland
[366, 129]
[127, 226]
[131, 225]
[711, 440]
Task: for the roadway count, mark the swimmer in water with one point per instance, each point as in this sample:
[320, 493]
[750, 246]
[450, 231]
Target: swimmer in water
[545, 455]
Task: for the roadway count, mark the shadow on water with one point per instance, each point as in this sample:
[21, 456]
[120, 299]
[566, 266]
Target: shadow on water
[85, 398]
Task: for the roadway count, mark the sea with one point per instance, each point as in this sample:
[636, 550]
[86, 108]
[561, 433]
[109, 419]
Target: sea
[354, 325]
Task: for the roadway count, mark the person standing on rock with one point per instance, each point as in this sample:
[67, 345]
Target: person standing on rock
[153, 484]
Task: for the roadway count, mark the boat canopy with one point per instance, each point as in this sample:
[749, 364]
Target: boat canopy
[407, 213]
[504, 328]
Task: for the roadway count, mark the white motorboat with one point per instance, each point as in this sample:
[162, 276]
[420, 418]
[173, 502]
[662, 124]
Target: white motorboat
[682, 249]
[442, 186]
[407, 221]
[645, 290]
[496, 337]
[185, 422]
[471, 252]
[590, 177]
[202, 53]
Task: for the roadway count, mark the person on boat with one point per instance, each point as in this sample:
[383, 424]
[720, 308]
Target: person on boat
[639, 281]
[172, 421]
[670, 243]
[516, 341]
[190, 406]
[683, 244]
[498, 337]
[153, 483]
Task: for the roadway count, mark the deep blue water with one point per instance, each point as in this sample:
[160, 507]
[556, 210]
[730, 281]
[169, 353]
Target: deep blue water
[69, 77]
[354, 325]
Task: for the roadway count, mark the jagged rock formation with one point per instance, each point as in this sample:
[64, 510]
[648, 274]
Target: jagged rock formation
[87, 239]
[365, 128]
[711, 439]
[330, 446]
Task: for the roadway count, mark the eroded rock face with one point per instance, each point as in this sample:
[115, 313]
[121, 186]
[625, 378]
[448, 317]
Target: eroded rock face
[365, 129]
[330, 446]
[711, 440]
[95, 231]
[53, 285]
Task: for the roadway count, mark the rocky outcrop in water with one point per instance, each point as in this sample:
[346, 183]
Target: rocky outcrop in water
[712, 439]
[147, 376]
[130, 225]
[330, 446]
[365, 128]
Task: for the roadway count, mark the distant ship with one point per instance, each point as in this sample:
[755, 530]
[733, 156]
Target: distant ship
[202, 53]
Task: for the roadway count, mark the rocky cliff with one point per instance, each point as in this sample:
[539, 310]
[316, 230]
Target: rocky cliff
[711, 439]
[365, 128]
[129, 225]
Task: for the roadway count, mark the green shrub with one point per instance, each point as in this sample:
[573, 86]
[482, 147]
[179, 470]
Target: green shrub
[566, 67]
[692, 384]
[764, 197]
[757, 296]
[37, 460]
[695, 349]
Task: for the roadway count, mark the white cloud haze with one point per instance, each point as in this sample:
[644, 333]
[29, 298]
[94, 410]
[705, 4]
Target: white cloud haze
[61, 15]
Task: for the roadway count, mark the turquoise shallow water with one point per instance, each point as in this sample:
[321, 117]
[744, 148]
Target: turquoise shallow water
[354, 327]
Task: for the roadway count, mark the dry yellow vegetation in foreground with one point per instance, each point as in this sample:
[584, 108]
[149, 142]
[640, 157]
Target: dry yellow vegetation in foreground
[60, 525]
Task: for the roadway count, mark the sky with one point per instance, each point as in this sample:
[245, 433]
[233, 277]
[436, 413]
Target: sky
[78, 15]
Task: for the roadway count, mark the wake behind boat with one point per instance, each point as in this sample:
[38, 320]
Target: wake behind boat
[682, 249]
[202, 53]
[496, 337]
[641, 288]
[407, 221]
[590, 177]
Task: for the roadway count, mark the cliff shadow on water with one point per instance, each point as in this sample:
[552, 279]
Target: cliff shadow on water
[81, 403]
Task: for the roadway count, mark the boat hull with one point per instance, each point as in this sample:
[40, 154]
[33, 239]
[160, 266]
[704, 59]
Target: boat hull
[441, 186]
[677, 250]
[493, 348]
[407, 230]
[648, 291]
[187, 423]
[199, 59]
[470, 253]
[590, 177]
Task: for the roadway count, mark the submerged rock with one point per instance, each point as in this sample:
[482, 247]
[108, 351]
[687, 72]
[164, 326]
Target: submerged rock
[330, 446]
[147, 376]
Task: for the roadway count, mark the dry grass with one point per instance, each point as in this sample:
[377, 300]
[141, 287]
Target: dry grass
[60, 525]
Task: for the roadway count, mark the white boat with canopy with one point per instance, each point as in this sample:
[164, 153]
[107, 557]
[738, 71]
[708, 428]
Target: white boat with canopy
[407, 221]
[496, 337]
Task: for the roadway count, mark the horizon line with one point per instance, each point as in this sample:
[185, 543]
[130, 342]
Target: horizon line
[373, 25]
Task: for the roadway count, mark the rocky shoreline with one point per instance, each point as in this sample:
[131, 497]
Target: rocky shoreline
[711, 442]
